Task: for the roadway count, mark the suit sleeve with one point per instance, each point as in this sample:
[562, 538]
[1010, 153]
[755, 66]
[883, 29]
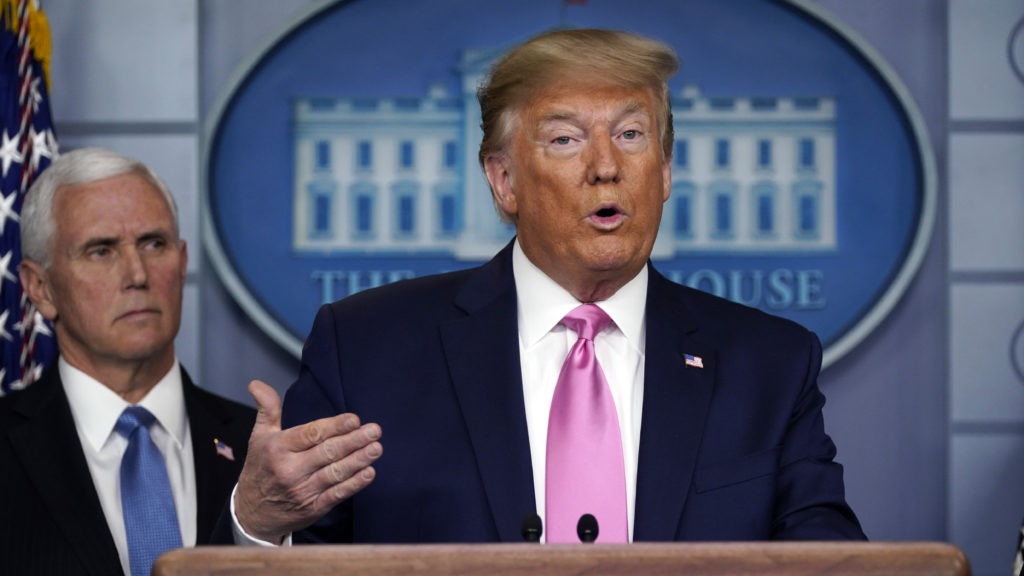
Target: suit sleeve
[317, 393]
[810, 498]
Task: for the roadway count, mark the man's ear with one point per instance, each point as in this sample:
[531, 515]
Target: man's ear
[666, 180]
[35, 282]
[498, 168]
[183, 251]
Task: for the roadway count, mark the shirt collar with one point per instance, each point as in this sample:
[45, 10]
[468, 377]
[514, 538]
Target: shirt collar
[542, 303]
[96, 408]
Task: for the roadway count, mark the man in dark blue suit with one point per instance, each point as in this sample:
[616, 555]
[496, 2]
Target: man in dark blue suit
[717, 405]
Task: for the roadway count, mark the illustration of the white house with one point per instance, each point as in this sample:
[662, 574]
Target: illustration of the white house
[400, 175]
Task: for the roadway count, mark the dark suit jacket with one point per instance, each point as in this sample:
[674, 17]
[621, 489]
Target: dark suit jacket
[733, 451]
[51, 521]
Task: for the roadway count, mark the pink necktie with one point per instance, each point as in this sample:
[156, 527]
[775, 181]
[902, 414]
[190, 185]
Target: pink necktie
[585, 473]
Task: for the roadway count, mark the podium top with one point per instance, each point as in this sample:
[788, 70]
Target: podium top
[712, 559]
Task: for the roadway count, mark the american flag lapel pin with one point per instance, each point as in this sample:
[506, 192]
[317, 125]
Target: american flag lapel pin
[223, 450]
[693, 361]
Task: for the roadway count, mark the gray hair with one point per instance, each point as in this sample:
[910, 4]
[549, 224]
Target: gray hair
[76, 167]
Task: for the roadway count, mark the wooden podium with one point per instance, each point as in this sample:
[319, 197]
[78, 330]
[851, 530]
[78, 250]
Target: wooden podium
[712, 559]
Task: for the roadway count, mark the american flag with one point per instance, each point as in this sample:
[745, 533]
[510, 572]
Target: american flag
[694, 361]
[224, 450]
[27, 144]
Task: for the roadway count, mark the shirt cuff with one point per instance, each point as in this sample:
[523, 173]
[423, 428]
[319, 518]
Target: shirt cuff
[242, 538]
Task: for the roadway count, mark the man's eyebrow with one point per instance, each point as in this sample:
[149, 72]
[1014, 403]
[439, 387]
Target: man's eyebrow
[559, 116]
[632, 106]
[100, 241]
[158, 234]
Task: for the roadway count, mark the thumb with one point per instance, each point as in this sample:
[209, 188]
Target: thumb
[268, 404]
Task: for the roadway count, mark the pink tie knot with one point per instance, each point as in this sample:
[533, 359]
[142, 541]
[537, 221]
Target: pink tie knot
[587, 320]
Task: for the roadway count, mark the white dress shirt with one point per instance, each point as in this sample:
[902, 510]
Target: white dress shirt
[96, 409]
[544, 344]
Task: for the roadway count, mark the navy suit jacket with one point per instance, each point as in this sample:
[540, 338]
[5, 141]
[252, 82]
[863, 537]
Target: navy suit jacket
[735, 450]
[51, 521]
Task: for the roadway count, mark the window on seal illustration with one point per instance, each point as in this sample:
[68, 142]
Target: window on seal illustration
[722, 153]
[364, 155]
[806, 155]
[321, 205]
[723, 206]
[683, 198]
[451, 155]
[405, 194]
[764, 195]
[323, 156]
[406, 155]
[321, 191]
[764, 154]
[363, 206]
[681, 155]
[807, 206]
[448, 217]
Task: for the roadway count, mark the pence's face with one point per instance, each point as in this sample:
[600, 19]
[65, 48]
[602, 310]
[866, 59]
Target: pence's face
[115, 281]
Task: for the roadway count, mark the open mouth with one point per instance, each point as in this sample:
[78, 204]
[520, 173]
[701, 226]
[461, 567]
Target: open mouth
[607, 217]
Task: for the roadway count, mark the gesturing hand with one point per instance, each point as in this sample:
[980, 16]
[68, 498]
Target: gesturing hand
[293, 477]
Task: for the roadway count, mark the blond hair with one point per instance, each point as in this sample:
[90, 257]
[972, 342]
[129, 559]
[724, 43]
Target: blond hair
[606, 56]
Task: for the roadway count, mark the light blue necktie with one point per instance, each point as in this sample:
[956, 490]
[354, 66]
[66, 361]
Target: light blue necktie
[150, 520]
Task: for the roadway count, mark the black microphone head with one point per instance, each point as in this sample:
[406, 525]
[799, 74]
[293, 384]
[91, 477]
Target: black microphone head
[586, 528]
[532, 528]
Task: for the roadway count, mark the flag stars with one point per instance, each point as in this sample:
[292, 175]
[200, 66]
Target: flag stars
[37, 325]
[3, 326]
[19, 384]
[32, 374]
[36, 94]
[43, 144]
[7, 209]
[40, 326]
[5, 270]
[9, 153]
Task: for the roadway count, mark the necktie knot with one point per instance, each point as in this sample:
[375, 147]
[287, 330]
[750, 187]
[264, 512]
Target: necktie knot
[587, 320]
[132, 418]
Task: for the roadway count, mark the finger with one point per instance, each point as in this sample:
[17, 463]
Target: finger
[347, 489]
[312, 434]
[338, 448]
[344, 478]
[268, 404]
[332, 460]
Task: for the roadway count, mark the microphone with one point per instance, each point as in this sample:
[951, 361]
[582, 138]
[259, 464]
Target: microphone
[586, 528]
[532, 528]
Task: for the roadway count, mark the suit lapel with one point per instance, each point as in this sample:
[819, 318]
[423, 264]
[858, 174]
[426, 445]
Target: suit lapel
[215, 474]
[482, 351]
[676, 401]
[48, 447]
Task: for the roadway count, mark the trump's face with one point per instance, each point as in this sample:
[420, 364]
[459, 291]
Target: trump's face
[585, 178]
[114, 285]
